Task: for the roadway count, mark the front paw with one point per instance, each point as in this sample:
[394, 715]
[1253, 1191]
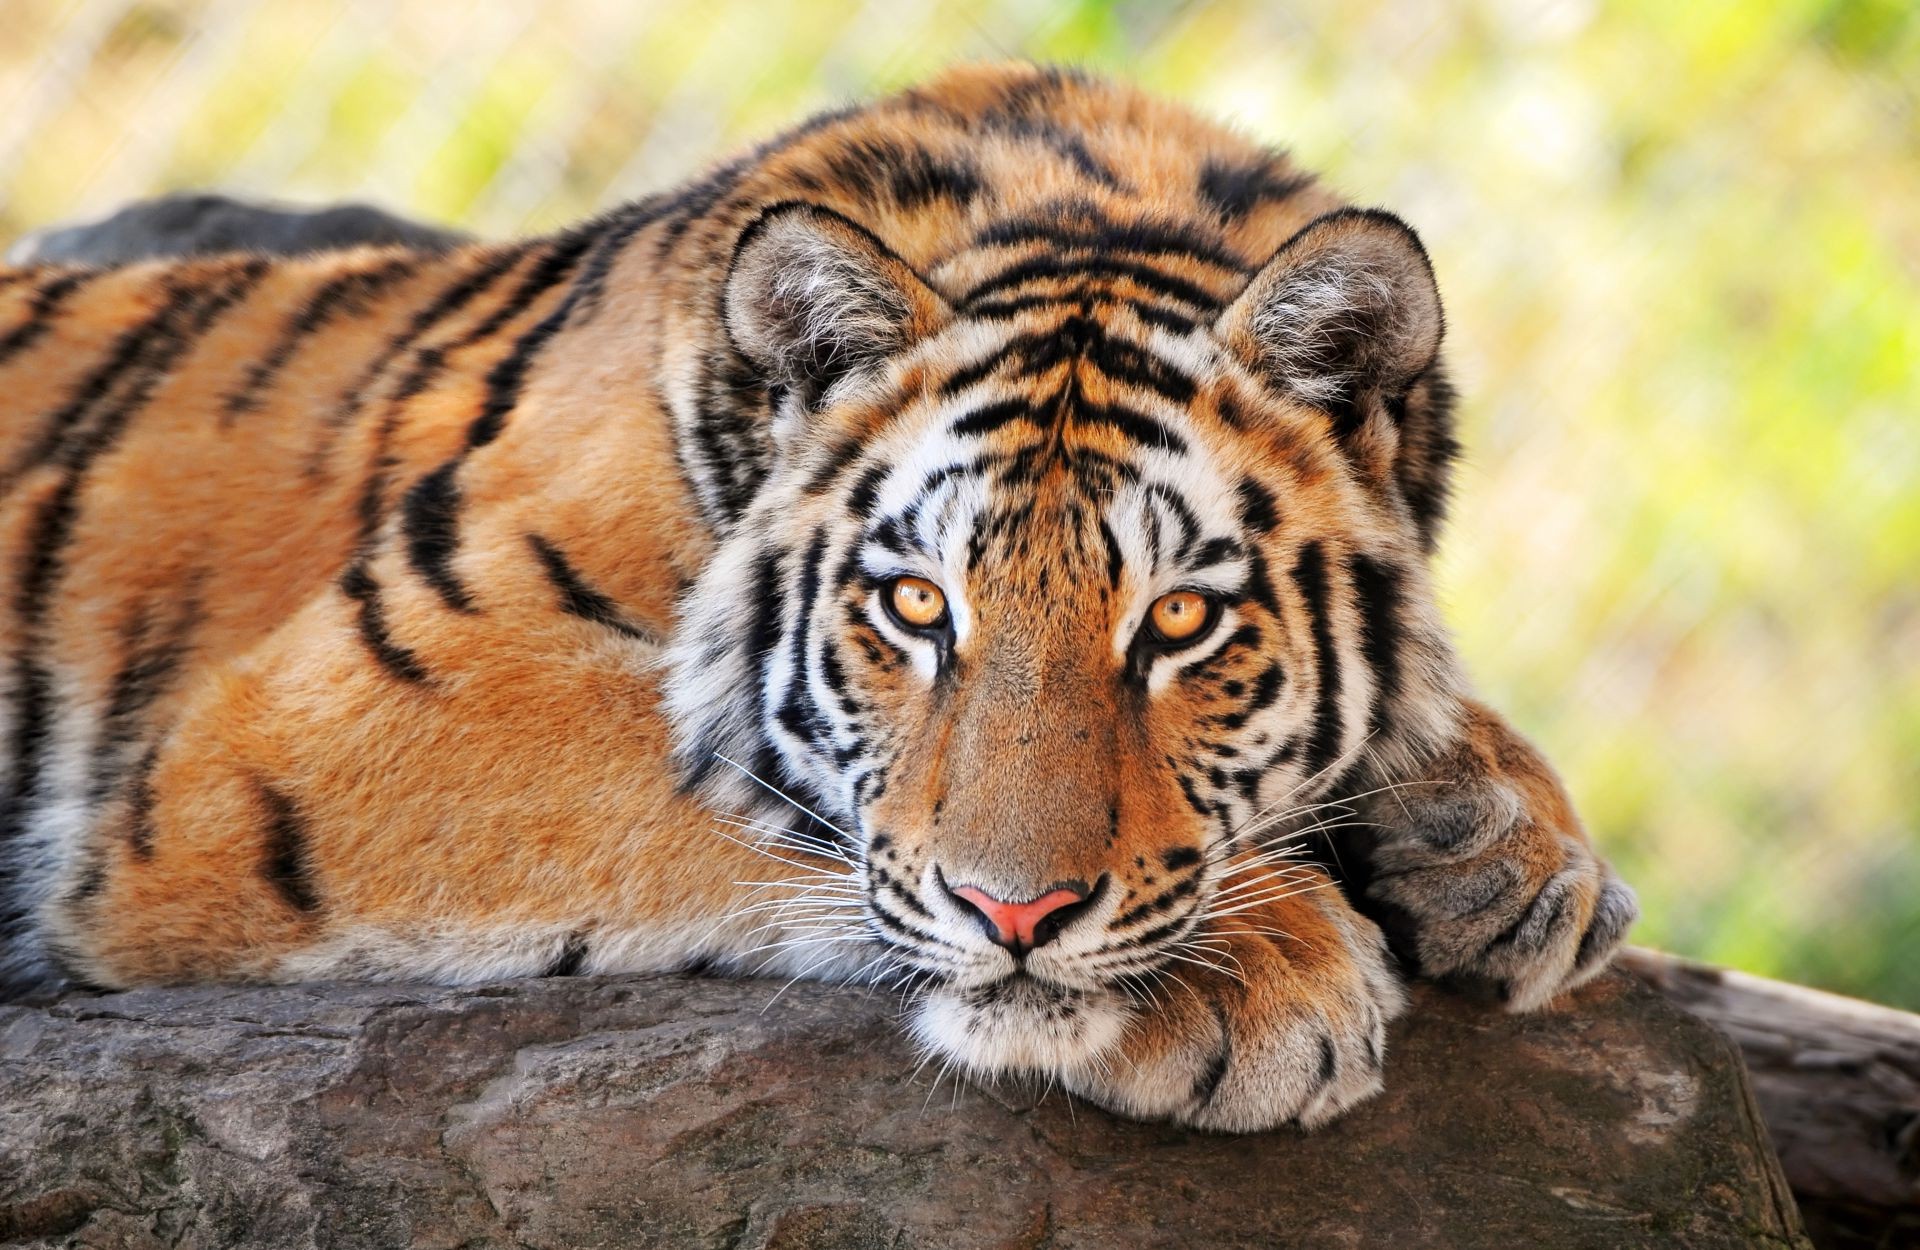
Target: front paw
[1286, 1025]
[1484, 873]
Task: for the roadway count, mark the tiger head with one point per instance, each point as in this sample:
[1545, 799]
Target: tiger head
[1064, 587]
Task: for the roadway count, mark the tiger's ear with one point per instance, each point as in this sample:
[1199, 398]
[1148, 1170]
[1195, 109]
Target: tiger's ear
[814, 300]
[1345, 316]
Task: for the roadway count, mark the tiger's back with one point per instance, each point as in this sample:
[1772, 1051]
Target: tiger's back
[193, 452]
[196, 451]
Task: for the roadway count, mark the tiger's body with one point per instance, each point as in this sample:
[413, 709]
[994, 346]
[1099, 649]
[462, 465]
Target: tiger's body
[405, 614]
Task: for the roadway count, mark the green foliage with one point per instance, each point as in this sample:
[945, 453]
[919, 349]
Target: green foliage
[1678, 244]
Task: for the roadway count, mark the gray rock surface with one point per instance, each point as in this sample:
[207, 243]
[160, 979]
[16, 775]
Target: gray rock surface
[687, 1112]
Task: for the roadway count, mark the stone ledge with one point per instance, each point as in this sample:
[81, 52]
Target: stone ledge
[678, 1111]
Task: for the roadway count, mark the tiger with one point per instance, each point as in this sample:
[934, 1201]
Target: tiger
[976, 543]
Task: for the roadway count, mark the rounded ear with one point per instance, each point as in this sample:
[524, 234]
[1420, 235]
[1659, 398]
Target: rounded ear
[814, 301]
[1345, 316]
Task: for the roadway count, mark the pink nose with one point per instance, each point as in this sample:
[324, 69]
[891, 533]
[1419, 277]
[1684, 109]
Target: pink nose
[1022, 926]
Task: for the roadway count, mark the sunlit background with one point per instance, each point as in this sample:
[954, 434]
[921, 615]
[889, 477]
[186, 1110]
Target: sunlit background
[1679, 243]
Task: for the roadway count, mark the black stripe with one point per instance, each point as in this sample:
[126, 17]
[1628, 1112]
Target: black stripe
[544, 274]
[1081, 338]
[866, 492]
[463, 290]
[1310, 577]
[1157, 904]
[1266, 687]
[430, 519]
[284, 850]
[1112, 545]
[991, 417]
[572, 957]
[1082, 225]
[920, 178]
[1123, 362]
[1065, 302]
[1183, 515]
[509, 375]
[1063, 142]
[1166, 318]
[798, 713]
[578, 597]
[45, 306]
[1216, 1070]
[140, 347]
[1038, 268]
[1136, 425]
[140, 801]
[1376, 585]
[153, 657]
[1234, 190]
[357, 583]
[344, 295]
[1259, 511]
[1329, 1059]
[960, 379]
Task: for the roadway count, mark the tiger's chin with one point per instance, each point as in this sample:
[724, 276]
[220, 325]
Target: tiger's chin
[1020, 1025]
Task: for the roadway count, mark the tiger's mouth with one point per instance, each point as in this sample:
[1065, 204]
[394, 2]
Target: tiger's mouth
[1020, 1023]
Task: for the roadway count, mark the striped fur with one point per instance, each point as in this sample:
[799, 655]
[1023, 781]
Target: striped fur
[521, 609]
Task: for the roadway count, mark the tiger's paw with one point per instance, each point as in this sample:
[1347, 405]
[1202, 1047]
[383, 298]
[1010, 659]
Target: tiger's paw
[1287, 1027]
[1485, 874]
[1271, 1016]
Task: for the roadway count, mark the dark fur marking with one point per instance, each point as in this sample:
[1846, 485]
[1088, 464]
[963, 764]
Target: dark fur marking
[580, 598]
[42, 312]
[1045, 268]
[430, 519]
[1310, 577]
[1258, 510]
[1233, 191]
[1216, 1070]
[1377, 587]
[572, 957]
[1329, 1059]
[991, 417]
[1179, 857]
[357, 584]
[344, 295]
[140, 801]
[284, 862]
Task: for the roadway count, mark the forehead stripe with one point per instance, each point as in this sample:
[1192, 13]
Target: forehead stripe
[1046, 267]
[993, 416]
[1101, 234]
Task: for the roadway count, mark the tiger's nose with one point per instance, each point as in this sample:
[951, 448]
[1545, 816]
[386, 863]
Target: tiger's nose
[1021, 927]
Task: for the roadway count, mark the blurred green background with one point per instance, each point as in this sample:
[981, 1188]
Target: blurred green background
[1680, 245]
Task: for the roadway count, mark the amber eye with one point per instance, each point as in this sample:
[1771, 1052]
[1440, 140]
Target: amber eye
[1179, 617]
[917, 602]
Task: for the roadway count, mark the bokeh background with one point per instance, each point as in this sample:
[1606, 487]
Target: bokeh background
[1679, 242]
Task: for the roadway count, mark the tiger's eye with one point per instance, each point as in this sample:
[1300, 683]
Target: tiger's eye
[918, 602]
[1179, 616]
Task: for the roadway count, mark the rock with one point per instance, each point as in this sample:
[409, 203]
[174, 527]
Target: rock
[675, 1111]
[199, 224]
[1838, 1082]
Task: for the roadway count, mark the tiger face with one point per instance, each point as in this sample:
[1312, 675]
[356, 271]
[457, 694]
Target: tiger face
[1062, 591]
